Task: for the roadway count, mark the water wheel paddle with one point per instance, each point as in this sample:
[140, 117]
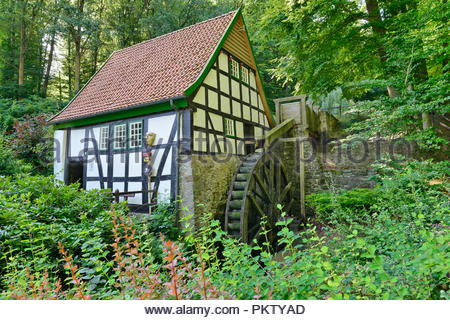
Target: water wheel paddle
[259, 185]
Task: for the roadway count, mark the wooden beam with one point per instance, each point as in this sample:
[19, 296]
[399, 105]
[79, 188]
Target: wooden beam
[291, 99]
[278, 132]
[302, 179]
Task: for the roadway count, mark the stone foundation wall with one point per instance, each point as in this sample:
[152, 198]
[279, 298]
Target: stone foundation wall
[204, 183]
[204, 180]
[331, 167]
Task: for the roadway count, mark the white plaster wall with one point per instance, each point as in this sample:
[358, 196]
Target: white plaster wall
[200, 96]
[91, 167]
[245, 95]
[135, 186]
[76, 142]
[252, 80]
[119, 186]
[217, 121]
[119, 165]
[236, 109]
[199, 141]
[59, 154]
[199, 118]
[223, 61]
[104, 161]
[213, 100]
[161, 126]
[225, 104]
[157, 154]
[90, 185]
[235, 89]
[135, 164]
[224, 84]
[255, 116]
[211, 78]
[254, 98]
[96, 137]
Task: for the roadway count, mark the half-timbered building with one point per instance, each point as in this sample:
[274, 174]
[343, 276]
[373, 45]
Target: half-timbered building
[193, 91]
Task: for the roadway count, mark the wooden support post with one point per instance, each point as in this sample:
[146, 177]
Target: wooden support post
[149, 187]
[302, 179]
[116, 196]
[278, 119]
[278, 132]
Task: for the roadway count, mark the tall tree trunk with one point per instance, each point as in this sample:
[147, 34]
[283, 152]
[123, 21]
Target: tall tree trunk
[374, 17]
[22, 50]
[69, 64]
[420, 73]
[60, 86]
[42, 55]
[77, 40]
[376, 23]
[445, 45]
[77, 65]
[49, 65]
[94, 60]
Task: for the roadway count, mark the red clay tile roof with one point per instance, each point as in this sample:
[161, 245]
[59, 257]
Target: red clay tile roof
[153, 70]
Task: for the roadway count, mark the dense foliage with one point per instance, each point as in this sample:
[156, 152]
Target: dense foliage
[389, 58]
[25, 139]
[388, 244]
[36, 213]
[52, 47]
[384, 62]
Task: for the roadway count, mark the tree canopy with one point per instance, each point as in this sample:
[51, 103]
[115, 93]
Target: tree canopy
[388, 57]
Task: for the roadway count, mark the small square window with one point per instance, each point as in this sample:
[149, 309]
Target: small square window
[120, 136]
[234, 68]
[244, 74]
[135, 134]
[228, 126]
[104, 135]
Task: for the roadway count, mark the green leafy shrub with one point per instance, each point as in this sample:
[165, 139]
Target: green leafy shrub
[163, 220]
[12, 110]
[334, 207]
[25, 143]
[399, 250]
[8, 163]
[36, 213]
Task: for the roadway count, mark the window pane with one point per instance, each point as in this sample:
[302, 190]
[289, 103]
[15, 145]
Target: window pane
[119, 136]
[234, 68]
[244, 72]
[136, 134]
[229, 127]
[104, 133]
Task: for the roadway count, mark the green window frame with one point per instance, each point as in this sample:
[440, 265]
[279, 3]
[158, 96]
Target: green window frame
[120, 136]
[103, 138]
[135, 134]
[234, 66]
[245, 76]
[229, 128]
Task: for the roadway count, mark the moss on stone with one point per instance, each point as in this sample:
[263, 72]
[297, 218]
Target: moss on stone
[212, 178]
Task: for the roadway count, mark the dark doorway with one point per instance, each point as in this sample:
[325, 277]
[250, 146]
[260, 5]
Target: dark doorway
[249, 135]
[75, 169]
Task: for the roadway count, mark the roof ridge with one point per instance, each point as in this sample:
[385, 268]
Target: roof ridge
[178, 30]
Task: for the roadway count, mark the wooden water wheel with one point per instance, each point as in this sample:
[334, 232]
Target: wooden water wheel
[259, 185]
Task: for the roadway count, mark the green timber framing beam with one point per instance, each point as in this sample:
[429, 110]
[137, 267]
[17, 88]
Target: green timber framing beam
[134, 111]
